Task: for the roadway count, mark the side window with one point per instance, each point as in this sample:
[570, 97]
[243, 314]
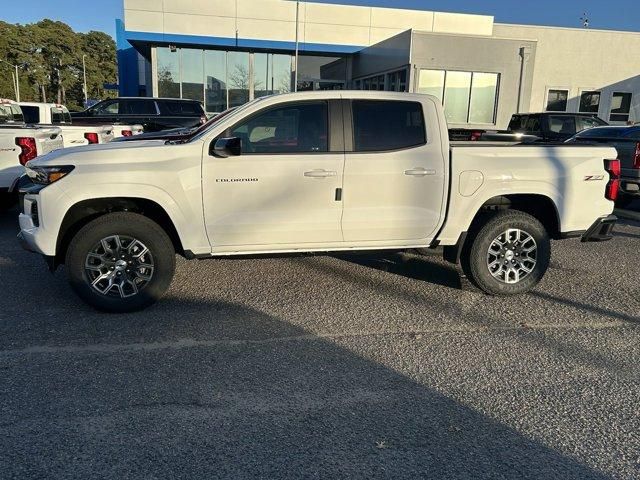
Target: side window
[293, 128]
[387, 125]
[176, 108]
[620, 107]
[517, 123]
[107, 108]
[587, 122]
[533, 124]
[563, 124]
[138, 107]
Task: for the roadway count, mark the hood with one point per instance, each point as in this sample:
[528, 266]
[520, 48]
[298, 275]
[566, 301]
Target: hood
[115, 153]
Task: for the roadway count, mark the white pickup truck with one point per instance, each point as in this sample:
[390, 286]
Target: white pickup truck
[18, 145]
[73, 135]
[312, 172]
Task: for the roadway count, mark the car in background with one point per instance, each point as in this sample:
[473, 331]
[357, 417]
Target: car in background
[177, 134]
[154, 114]
[555, 127]
[53, 114]
[626, 140]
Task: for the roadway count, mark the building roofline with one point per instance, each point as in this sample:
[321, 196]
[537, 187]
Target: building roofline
[577, 29]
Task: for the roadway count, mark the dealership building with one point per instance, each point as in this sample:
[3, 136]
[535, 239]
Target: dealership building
[227, 52]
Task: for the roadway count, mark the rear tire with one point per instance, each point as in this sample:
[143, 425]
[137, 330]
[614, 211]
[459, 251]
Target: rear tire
[120, 262]
[508, 254]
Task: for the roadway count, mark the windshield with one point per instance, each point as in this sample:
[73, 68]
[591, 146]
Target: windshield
[229, 113]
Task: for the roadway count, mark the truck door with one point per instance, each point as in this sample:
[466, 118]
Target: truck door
[394, 176]
[284, 187]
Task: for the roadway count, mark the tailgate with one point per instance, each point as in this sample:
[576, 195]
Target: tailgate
[48, 139]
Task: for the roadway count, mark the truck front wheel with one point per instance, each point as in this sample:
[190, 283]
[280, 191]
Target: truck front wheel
[508, 254]
[120, 262]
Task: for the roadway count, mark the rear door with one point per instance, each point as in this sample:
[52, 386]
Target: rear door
[138, 111]
[394, 176]
[284, 189]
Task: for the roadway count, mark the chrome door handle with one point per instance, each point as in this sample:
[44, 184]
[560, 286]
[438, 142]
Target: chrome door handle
[320, 173]
[419, 172]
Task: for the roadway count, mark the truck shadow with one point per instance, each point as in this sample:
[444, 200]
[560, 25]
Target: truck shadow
[256, 397]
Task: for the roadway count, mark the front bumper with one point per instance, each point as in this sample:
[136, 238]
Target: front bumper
[601, 230]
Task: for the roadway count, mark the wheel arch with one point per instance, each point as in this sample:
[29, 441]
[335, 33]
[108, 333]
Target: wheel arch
[82, 212]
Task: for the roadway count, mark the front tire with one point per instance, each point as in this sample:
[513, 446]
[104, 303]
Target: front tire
[120, 262]
[508, 254]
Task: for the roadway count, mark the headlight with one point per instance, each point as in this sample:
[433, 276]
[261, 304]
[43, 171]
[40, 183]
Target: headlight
[48, 175]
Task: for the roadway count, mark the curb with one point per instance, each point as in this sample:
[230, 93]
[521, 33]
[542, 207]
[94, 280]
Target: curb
[627, 214]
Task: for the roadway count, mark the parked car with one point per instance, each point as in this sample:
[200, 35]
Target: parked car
[626, 140]
[18, 145]
[154, 114]
[312, 172]
[177, 134]
[36, 113]
[534, 127]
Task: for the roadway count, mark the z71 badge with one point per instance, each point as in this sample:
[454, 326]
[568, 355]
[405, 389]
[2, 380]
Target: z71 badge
[593, 178]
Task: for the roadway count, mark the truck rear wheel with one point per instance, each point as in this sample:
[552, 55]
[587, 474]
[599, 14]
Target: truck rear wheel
[508, 254]
[120, 262]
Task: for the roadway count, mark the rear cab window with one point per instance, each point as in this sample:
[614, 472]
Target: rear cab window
[60, 115]
[384, 125]
[31, 114]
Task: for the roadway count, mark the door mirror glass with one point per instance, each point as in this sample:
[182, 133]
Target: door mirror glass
[226, 147]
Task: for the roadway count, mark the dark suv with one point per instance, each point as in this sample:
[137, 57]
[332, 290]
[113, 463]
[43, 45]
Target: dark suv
[154, 114]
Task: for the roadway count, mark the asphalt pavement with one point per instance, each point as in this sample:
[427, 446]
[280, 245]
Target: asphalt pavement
[326, 367]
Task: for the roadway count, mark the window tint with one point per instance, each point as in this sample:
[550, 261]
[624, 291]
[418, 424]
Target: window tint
[31, 114]
[387, 125]
[620, 107]
[60, 115]
[589, 102]
[107, 108]
[138, 107]
[517, 122]
[294, 128]
[533, 124]
[588, 122]
[189, 109]
[563, 124]
[557, 100]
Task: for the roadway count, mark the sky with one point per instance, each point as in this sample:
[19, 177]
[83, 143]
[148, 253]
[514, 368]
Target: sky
[85, 15]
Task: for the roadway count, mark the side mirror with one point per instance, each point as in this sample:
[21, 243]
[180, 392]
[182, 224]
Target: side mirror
[226, 147]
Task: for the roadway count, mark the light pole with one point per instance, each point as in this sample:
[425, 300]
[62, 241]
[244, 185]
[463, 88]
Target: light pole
[17, 78]
[84, 77]
[295, 80]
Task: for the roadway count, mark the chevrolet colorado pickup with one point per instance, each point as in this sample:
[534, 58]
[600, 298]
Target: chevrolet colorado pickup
[312, 172]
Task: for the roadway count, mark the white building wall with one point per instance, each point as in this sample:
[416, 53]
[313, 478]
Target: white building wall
[276, 20]
[581, 59]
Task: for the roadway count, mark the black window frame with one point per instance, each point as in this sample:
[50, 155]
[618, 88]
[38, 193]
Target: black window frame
[590, 92]
[350, 127]
[335, 138]
[620, 116]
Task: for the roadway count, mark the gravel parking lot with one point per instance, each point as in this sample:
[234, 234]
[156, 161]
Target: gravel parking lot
[326, 367]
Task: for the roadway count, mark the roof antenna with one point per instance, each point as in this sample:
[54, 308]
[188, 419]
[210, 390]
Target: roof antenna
[585, 20]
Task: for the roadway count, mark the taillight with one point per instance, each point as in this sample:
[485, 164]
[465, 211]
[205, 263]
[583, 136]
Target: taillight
[613, 186]
[91, 137]
[28, 149]
[203, 119]
[475, 136]
[636, 156]
[127, 133]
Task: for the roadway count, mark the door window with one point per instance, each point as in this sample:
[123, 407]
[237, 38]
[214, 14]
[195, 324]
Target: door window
[107, 108]
[294, 128]
[138, 107]
[565, 125]
[588, 122]
[386, 125]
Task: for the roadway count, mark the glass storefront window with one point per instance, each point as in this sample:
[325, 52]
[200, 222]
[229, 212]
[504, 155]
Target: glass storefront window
[456, 96]
[192, 74]
[168, 73]
[482, 105]
[215, 77]
[271, 74]
[431, 82]
[238, 78]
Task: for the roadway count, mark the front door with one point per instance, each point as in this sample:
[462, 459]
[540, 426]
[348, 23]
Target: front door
[394, 178]
[282, 189]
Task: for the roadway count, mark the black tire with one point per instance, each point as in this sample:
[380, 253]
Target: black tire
[124, 224]
[475, 255]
